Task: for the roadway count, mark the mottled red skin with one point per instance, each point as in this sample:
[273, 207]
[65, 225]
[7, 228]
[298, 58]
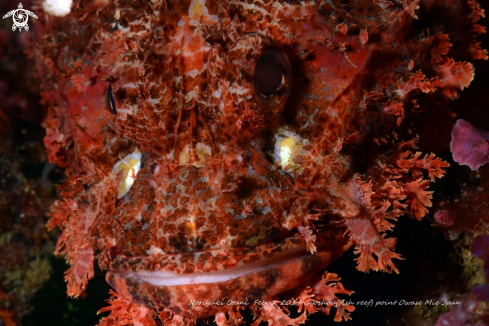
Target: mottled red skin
[353, 84]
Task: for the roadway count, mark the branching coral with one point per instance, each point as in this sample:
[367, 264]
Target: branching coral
[398, 189]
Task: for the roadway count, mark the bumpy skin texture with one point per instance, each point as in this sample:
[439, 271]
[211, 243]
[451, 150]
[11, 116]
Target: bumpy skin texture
[213, 191]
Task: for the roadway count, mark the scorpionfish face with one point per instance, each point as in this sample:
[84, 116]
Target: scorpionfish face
[214, 148]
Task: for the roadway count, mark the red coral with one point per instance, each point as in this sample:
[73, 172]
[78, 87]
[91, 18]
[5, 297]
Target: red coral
[477, 52]
[478, 29]
[476, 14]
[123, 312]
[138, 315]
[395, 108]
[118, 307]
[418, 199]
[80, 273]
[275, 316]
[454, 76]
[307, 302]
[235, 317]
[411, 6]
[430, 163]
[325, 292]
[303, 225]
[441, 49]
[399, 189]
[370, 242]
[415, 82]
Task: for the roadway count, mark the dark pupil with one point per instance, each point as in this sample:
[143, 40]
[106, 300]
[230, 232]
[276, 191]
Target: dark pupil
[268, 76]
[112, 100]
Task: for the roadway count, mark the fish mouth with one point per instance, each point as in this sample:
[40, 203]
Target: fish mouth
[189, 294]
[165, 278]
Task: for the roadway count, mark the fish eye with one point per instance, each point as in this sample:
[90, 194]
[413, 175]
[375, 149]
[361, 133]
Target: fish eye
[272, 79]
[109, 101]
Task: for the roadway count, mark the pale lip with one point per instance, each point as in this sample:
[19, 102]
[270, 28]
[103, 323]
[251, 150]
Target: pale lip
[165, 278]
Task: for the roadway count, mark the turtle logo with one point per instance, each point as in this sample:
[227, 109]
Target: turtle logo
[20, 17]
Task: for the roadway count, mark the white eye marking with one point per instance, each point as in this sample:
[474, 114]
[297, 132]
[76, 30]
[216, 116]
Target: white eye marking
[288, 146]
[129, 166]
[197, 8]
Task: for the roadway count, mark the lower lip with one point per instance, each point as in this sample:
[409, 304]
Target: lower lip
[205, 294]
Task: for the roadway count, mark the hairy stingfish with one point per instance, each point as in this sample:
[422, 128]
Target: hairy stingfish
[219, 150]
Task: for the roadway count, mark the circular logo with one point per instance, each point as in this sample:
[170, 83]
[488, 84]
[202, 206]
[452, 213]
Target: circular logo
[20, 17]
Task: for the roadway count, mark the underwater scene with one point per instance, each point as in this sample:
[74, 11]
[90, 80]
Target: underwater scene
[247, 162]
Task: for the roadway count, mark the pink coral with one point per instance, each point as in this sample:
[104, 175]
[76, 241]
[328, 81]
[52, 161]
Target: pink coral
[444, 218]
[470, 145]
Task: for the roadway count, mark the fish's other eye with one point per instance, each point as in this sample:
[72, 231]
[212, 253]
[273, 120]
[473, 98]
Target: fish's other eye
[272, 79]
[109, 101]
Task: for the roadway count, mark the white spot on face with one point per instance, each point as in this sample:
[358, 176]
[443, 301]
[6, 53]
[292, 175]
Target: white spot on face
[184, 156]
[217, 93]
[192, 73]
[223, 148]
[190, 96]
[154, 251]
[202, 150]
[129, 166]
[139, 217]
[110, 242]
